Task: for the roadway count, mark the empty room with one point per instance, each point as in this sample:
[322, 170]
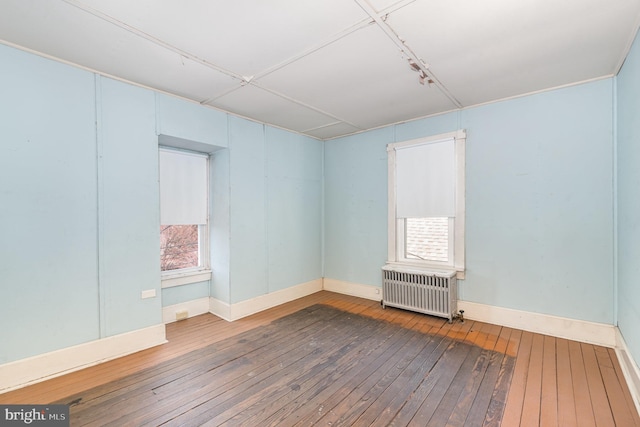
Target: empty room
[337, 212]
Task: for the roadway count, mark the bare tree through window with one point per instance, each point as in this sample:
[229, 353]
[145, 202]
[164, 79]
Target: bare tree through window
[178, 247]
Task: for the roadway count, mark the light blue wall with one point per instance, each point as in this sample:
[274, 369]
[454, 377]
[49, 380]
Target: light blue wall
[79, 215]
[355, 207]
[48, 207]
[275, 199]
[248, 263]
[539, 202]
[294, 209]
[79, 218]
[128, 207]
[189, 121]
[628, 227]
[220, 225]
[185, 293]
[79, 211]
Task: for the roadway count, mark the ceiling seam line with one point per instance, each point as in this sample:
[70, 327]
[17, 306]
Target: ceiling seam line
[152, 39]
[201, 61]
[362, 3]
[386, 28]
[334, 38]
[295, 101]
[322, 127]
[396, 6]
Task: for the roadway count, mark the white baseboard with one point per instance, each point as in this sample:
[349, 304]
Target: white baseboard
[45, 366]
[354, 289]
[561, 327]
[194, 308]
[629, 368]
[246, 308]
[220, 309]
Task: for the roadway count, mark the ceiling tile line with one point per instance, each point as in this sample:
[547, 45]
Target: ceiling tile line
[303, 104]
[326, 126]
[380, 20]
[225, 93]
[152, 39]
[243, 80]
[399, 122]
[395, 6]
[332, 39]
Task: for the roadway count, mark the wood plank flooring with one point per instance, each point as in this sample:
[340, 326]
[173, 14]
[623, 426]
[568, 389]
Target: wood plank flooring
[331, 359]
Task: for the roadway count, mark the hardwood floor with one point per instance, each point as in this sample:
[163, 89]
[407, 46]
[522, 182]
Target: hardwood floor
[331, 359]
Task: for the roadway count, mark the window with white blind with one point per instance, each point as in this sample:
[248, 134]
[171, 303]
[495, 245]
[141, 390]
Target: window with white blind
[184, 188]
[426, 201]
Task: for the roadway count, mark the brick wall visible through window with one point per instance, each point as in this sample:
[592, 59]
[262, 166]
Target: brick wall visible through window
[427, 239]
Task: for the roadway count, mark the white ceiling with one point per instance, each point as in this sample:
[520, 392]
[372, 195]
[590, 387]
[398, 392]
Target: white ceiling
[328, 68]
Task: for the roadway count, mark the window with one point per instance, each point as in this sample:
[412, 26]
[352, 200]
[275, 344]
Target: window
[184, 185]
[426, 201]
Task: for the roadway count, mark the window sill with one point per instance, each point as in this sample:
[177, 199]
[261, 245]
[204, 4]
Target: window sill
[170, 280]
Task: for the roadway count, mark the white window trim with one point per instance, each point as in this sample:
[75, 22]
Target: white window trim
[202, 272]
[394, 240]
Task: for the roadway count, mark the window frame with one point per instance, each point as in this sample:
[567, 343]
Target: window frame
[202, 271]
[396, 228]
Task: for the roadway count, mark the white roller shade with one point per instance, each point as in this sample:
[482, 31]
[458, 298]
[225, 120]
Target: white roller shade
[183, 188]
[426, 180]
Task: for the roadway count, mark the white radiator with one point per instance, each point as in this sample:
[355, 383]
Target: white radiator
[429, 292]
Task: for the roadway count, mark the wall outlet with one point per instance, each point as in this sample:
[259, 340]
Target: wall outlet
[377, 291]
[181, 315]
[149, 293]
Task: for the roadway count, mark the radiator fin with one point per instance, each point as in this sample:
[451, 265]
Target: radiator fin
[427, 292]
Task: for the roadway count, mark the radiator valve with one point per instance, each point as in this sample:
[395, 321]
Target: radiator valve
[459, 316]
